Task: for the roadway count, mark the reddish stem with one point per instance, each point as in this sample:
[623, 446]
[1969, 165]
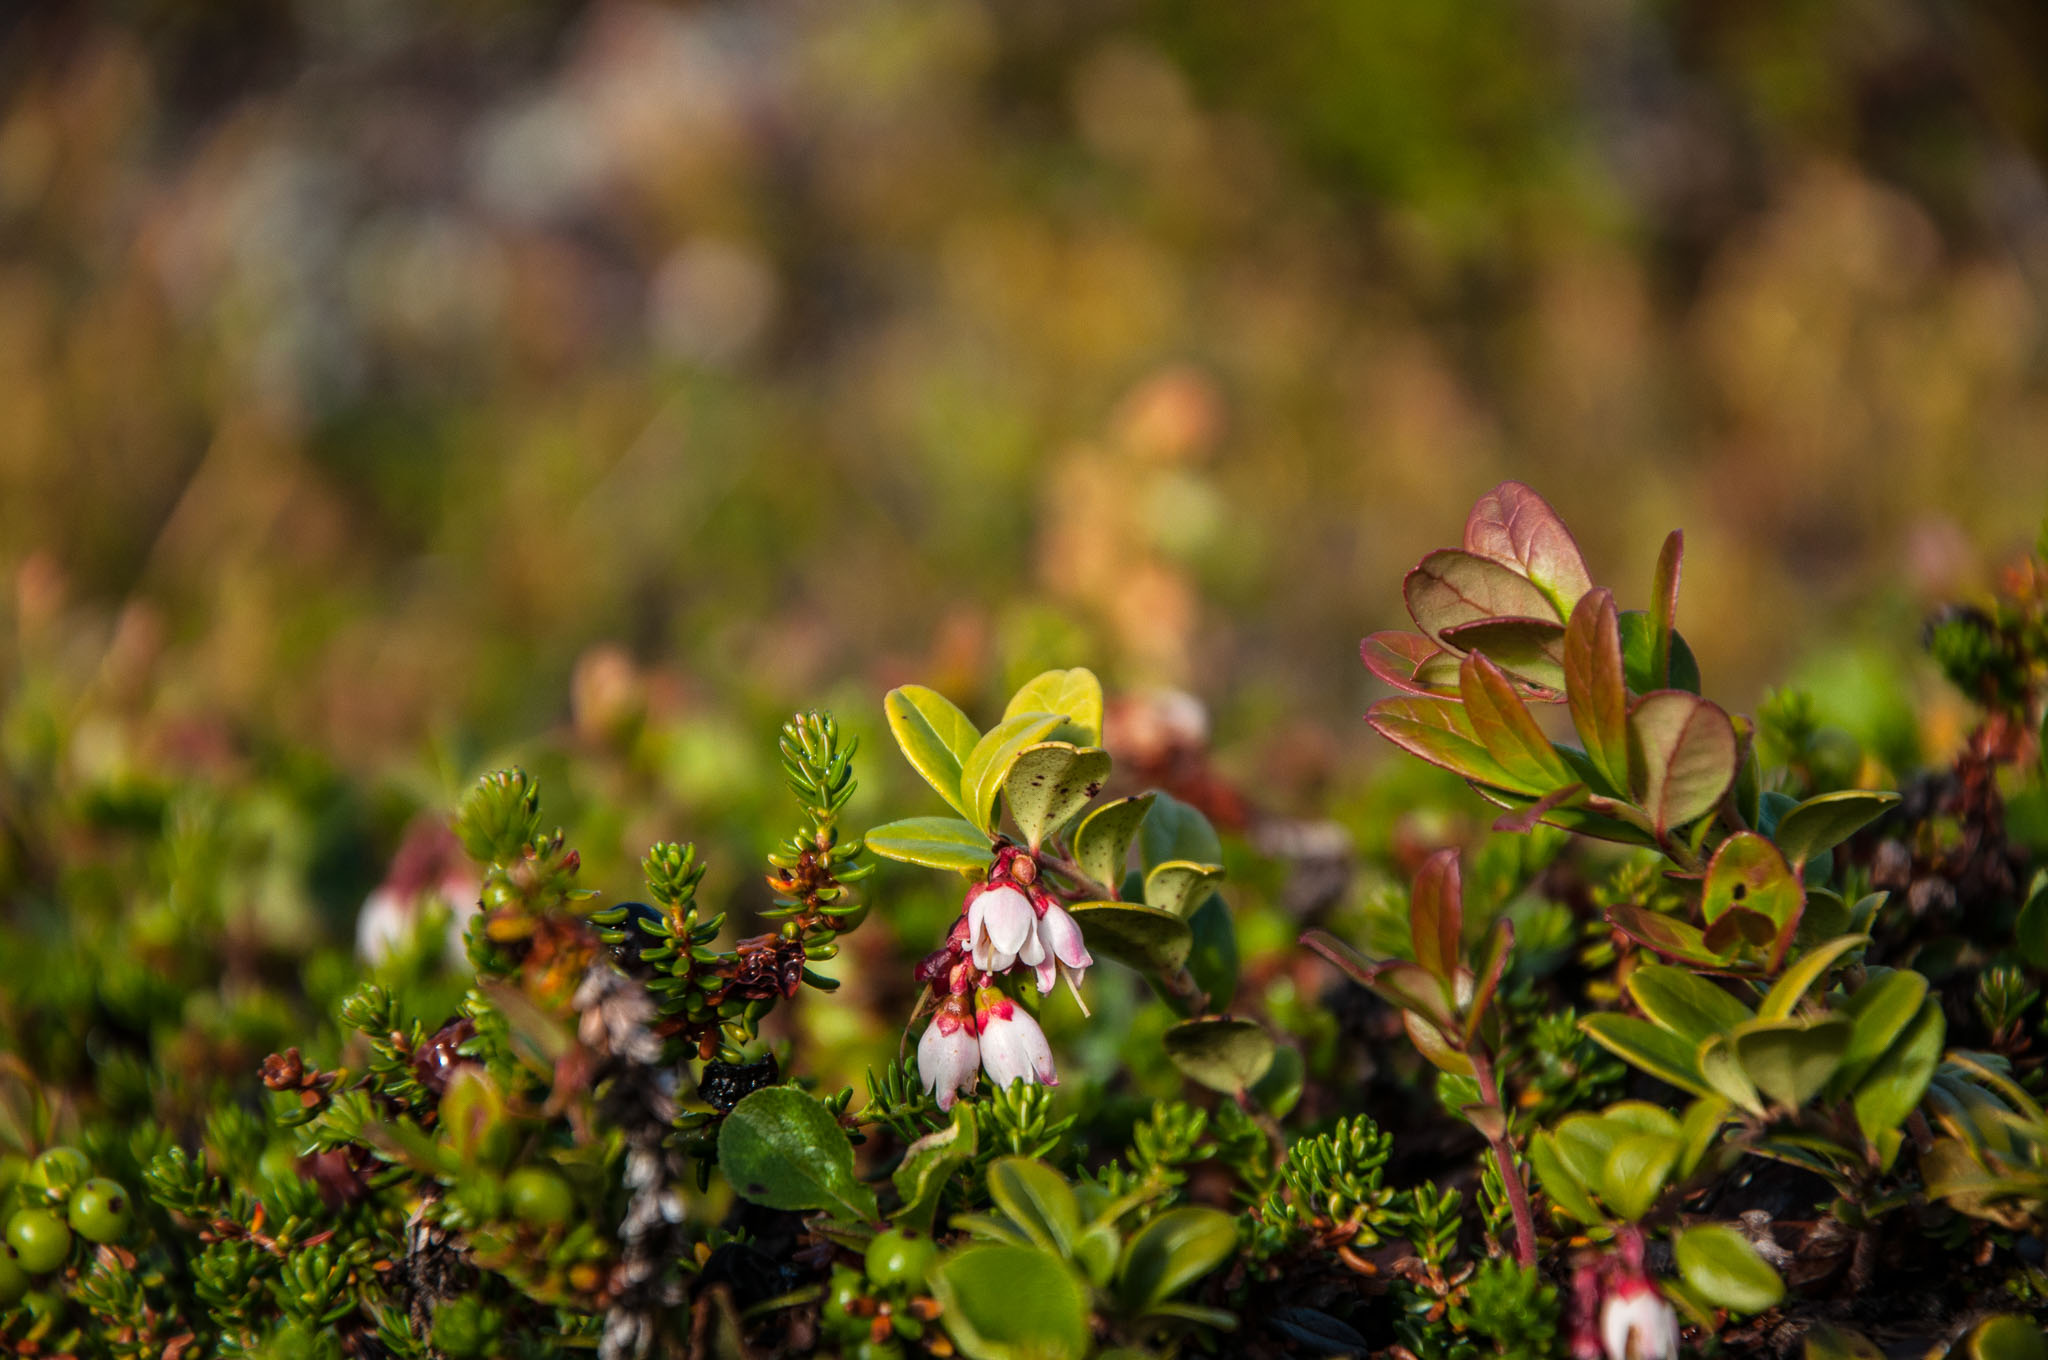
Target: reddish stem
[1504, 1159]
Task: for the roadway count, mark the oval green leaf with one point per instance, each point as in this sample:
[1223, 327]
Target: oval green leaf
[1050, 783]
[781, 1148]
[1823, 822]
[1103, 840]
[1726, 1271]
[1140, 937]
[1171, 1252]
[979, 1287]
[935, 735]
[1076, 695]
[935, 842]
[1221, 1053]
[1178, 886]
[986, 767]
[1685, 1003]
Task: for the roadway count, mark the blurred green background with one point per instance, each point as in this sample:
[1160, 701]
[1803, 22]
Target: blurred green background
[408, 381]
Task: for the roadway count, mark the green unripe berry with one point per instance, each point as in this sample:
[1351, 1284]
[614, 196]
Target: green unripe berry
[40, 1240]
[540, 1197]
[59, 1168]
[13, 1279]
[901, 1256]
[100, 1211]
[844, 1288]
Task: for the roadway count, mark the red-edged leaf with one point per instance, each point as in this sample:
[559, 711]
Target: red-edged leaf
[1514, 526]
[1750, 872]
[1433, 1044]
[1740, 926]
[1342, 956]
[1661, 934]
[1531, 650]
[1440, 731]
[1595, 687]
[1522, 820]
[1450, 587]
[1681, 756]
[1404, 984]
[1508, 731]
[1499, 945]
[1411, 662]
[1436, 914]
[1664, 603]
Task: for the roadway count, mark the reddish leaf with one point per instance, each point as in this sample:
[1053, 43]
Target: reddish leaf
[1347, 960]
[1440, 731]
[1739, 926]
[1404, 984]
[1505, 727]
[1531, 650]
[1514, 526]
[1750, 872]
[1664, 604]
[1666, 935]
[1498, 946]
[1681, 756]
[1436, 914]
[1450, 587]
[1595, 687]
[1404, 660]
[1524, 819]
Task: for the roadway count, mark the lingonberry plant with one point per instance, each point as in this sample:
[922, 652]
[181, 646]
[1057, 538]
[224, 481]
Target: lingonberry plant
[1691, 1043]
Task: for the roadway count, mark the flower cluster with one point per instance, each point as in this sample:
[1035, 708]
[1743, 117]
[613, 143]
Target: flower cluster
[1618, 1311]
[1008, 921]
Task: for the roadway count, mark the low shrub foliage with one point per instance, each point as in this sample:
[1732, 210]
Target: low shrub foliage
[1698, 1040]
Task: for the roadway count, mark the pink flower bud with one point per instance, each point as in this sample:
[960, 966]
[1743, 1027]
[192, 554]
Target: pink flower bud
[1003, 930]
[1013, 1047]
[949, 1053]
[1636, 1323]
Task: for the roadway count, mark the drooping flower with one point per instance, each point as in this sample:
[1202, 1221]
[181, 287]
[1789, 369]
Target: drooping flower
[949, 1053]
[1066, 954]
[1003, 930]
[1013, 1047]
[1636, 1322]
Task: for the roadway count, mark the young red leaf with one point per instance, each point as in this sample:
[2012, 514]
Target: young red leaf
[1514, 526]
[1440, 731]
[1531, 650]
[1450, 587]
[1436, 914]
[1508, 731]
[1595, 688]
[1404, 660]
[1681, 756]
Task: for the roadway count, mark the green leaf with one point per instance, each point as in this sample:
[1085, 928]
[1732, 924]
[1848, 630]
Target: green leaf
[1038, 1200]
[1178, 886]
[1838, 1343]
[1641, 1044]
[1410, 662]
[1434, 1045]
[1585, 1142]
[1531, 650]
[781, 1148]
[1506, 728]
[1596, 688]
[979, 1289]
[2008, 1337]
[1212, 960]
[1748, 872]
[1664, 606]
[1724, 1072]
[1440, 732]
[1640, 1116]
[935, 842]
[1450, 587]
[1412, 987]
[1171, 1252]
[1050, 783]
[1173, 830]
[1636, 1172]
[1221, 1053]
[1800, 978]
[928, 1166]
[1791, 1060]
[1716, 1261]
[986, 767]
[1688, 1005]
[1823, 822]
[1880, 1010]
[1140, 937]
[1075, 695]
[1893, 1086]
[1566, 1191]
[1699, 1131]
[1681, 751]
[1514, 526]
[1279, 1090]
[1638, 659]
[1103, 840]
[935, 736]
